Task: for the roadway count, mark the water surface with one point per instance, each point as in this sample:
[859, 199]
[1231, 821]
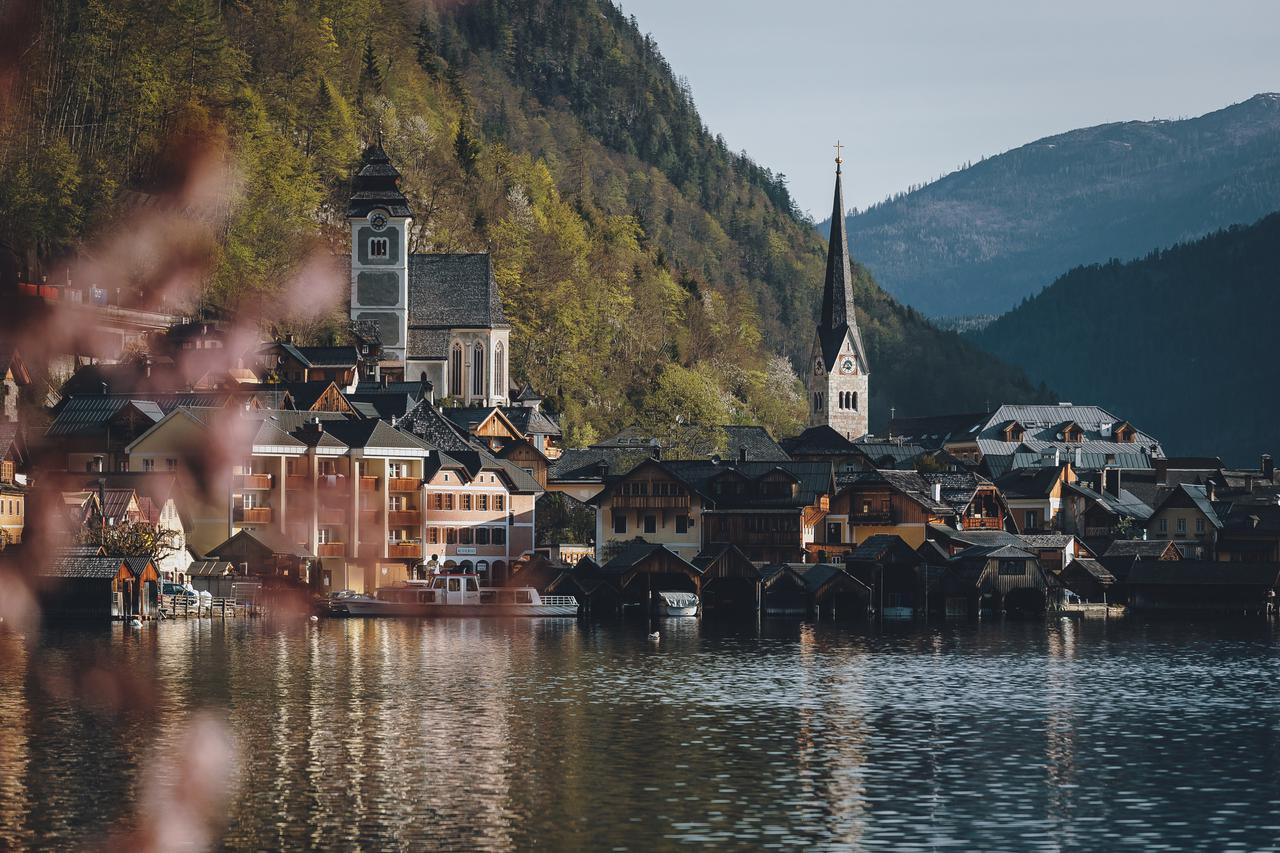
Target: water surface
[493, 734]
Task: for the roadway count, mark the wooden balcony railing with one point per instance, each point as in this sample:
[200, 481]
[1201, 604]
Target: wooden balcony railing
[405, 550]
[675, 502]
[253, 515]
[403, 518]
[368, 484]
[871, 518]
[403, 484]
[331, 549]
[297, 482]
[254, 481]
[983, 524]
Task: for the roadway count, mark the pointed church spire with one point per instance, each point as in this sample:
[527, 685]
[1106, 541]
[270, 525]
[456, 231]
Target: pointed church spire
[837, 291]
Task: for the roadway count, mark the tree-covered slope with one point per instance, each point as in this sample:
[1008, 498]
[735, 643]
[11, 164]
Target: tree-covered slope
[649, 272]
[981, 239]
[1178, 342]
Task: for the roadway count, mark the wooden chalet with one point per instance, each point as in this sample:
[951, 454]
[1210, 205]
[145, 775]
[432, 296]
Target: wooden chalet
[266, 554]
[1088, 580]
[633, 577]
[900, 580]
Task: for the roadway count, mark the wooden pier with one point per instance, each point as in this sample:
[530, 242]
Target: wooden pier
[183, 607]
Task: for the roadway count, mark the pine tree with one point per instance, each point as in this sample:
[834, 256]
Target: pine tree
[371, 71]
[423, 39]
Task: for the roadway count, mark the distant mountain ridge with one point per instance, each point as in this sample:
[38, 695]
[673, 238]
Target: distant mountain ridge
[1179, 342]
[983, 238]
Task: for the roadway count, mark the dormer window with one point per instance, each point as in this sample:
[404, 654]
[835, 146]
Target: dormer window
[1072, 434]
[1013, 431]
[379, 247]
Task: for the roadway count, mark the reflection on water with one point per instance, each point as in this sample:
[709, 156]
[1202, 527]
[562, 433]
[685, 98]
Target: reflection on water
[496, 734]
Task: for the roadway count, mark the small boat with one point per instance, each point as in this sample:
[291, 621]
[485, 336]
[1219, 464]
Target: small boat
[677, 604]
[458, 595]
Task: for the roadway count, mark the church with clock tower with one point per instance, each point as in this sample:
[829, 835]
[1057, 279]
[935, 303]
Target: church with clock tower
[838, 370]
[439, 316]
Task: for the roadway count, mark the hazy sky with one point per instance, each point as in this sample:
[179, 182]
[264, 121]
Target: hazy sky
[915, 88]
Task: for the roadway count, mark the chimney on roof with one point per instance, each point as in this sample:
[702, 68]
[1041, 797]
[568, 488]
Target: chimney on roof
[742, 454]
[1268, 468]
[288, 339]
[1208, 488]
[1111, 481]
[602, 469]
[937, 493]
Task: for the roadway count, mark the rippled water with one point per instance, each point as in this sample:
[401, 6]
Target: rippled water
[470, 734]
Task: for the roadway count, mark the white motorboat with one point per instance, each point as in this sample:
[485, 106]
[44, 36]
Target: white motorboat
[458, 595]
[677, 604]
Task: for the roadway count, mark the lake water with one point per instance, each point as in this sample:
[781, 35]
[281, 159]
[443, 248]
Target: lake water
[471, 734]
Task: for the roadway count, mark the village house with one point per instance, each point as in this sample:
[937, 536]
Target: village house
[1034, 496]
[284, 361]
[892, 503]
[13, 506]
[768, 509]
[1188, 515]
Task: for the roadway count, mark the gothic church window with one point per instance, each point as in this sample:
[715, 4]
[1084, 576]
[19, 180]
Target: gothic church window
[477, 371]
[455, 372]
[499, 369]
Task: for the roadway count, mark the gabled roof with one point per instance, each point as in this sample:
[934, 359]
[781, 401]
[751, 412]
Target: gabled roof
[584, 464]
[637, 551]
[936, 430]
[471, 418]
[1044, 424]
[87, 415]
[425, 421]
[880, 547]
[531, 421]
[268, 540]
[454, 291]
[908, 483]
[81, 566]
[338, 356]
[1093, 568]
[1127, 505]
[367, 433]
[958, 489]
[1045, 541]
[1198, 497]
[980, 538]
[1148, 548]
[1029, 483]
[889, 454]
[819, 440]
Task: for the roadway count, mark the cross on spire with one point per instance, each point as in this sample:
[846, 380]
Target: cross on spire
[839, 159]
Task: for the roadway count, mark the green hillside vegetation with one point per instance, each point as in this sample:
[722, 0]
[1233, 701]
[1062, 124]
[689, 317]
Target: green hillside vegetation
[650, 273]
[983, 238]
[1168, 341]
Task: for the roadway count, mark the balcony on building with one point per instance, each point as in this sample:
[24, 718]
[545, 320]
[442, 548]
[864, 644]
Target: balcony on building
[331, 549]
[253, 480]
[410, 549]
[669, 502]
[403, 484]
[408, 517]
[332, 484]
[982, 523]
[368, 483]
[252, 514]
[882, 516]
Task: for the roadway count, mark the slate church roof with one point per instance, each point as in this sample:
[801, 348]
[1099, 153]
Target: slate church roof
[838, 318]
[456, 291]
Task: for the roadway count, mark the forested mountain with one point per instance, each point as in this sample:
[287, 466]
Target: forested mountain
[981, 239]
[1179, 342]
[649, 272]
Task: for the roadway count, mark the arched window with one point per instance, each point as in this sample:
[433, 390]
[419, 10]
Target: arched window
[477, 371]
[499, 370]
[853, 400]
[455, 372]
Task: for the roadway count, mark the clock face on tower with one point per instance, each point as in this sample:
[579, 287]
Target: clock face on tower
[378, 221]
[846, 365]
